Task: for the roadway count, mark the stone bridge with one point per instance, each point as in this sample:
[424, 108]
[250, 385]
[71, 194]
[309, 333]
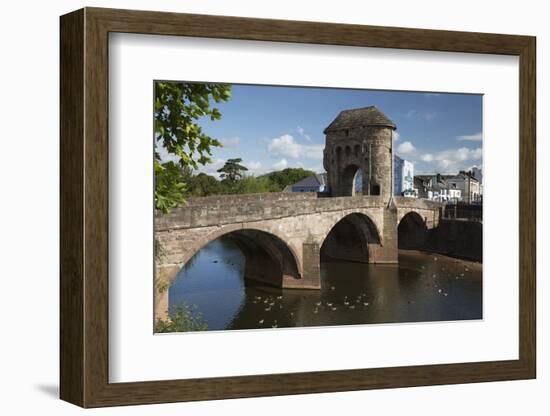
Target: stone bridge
[284, 235]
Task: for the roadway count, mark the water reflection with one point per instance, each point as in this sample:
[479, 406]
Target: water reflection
[422, 287]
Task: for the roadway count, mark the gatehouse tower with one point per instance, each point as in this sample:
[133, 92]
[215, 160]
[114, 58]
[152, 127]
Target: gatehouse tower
[359, 142]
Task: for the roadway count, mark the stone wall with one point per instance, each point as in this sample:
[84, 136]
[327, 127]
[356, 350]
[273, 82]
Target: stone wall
[457, 238]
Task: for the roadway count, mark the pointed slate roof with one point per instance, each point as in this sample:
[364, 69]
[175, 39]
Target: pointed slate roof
[366, 116]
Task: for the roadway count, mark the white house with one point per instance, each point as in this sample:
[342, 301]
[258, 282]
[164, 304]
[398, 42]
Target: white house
[403, 177]
[437, 188]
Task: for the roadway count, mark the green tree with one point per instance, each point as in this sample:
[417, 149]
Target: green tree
[178, 107]
[204, 185]
[169, 186]
[285, 177]
[232, 170]
[253, 185]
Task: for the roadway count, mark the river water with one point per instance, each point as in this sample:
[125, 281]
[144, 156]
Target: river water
[422, 287]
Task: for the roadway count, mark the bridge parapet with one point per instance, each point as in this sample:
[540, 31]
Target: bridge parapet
[418, 203]
[221, 210]
[243, 198]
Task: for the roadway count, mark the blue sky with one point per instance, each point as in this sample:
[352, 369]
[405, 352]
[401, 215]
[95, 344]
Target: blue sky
[273, 127]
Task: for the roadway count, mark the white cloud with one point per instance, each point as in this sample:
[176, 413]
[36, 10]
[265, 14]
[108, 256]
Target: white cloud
[303, 133]
[230, 142]
[396, 135]
[477, 137]
[459, 155]
[285, 145]
[281, 164]
[254, 165]
[406, 148]
[211, 168]
[449, 160]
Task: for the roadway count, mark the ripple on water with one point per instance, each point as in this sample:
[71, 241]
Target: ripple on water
[418, 289]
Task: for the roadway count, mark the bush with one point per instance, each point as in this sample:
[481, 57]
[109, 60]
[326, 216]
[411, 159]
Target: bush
[183, 318]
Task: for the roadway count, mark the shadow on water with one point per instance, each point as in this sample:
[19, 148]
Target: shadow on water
[422, 287]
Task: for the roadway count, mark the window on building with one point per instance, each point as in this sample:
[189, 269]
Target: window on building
[375, 190]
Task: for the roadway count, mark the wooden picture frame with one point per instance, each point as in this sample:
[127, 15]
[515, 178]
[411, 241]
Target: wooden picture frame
[84, 207]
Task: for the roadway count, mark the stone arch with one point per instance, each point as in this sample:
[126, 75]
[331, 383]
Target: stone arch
[353, 237]
[347, 181]
[412, 231]
[249, 238]
[268, 259]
